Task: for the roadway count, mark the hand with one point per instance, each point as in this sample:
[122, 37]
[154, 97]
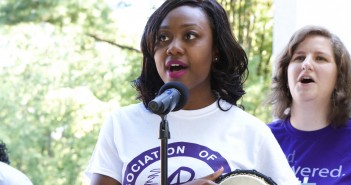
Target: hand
[207, 180]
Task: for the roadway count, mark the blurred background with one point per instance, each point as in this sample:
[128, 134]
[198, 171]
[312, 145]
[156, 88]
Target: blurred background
[65, 64]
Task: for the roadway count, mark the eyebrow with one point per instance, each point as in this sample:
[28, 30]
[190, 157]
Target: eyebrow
[183, 26]
[318, 52]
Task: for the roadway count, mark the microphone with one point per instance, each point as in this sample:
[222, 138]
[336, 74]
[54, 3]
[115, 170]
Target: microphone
[171, 97]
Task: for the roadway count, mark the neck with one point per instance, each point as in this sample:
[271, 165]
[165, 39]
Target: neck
[200, 100]
[309, 116]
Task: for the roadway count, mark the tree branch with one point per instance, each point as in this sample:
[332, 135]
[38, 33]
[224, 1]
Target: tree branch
[113, 43]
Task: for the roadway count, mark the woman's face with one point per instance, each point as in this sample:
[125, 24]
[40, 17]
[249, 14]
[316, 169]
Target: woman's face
[312, 71]
[184, 48]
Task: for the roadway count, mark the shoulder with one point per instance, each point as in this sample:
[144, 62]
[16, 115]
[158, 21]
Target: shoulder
[348, 124]
[346, 130]
[129, 115]
[278, 127]
[132, 109]
[245, 116]
[276, 124]
[249, 121]
[11, 176]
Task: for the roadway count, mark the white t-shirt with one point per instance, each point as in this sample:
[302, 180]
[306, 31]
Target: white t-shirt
[12, 176]
[201, 141]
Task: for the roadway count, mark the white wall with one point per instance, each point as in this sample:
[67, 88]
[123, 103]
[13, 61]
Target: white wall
[290, 15]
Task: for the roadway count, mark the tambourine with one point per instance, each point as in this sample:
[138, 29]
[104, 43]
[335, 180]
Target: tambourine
[245, 177]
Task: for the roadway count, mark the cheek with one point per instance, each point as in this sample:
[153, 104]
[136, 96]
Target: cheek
[335, 72]
[204, 59]
[203, 66]
[291, 75]
[159, 61]
[331, 78]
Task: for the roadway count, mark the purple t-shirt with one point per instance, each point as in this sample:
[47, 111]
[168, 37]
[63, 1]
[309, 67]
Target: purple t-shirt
[321, 157]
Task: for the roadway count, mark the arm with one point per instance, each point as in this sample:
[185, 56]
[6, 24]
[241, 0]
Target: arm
[98, 179]
[105, 166]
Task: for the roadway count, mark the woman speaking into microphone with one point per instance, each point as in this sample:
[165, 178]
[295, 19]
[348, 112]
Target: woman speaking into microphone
[190, 42]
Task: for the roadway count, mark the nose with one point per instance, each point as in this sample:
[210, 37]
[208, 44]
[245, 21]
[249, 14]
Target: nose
[175, 48]
[307, 64]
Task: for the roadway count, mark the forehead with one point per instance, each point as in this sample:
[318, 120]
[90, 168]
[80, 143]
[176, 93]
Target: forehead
[316, 43]
[186, 15]
[317, 40]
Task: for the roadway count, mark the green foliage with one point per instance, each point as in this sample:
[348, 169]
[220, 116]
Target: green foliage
[58, 83]
[252, 24]
[86, 13]
[48, 106]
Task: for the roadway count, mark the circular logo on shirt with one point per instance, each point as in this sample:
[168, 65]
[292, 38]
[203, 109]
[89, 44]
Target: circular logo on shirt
[184, 159]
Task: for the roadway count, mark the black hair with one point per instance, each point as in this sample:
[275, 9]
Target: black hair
[3, 153]
[227, 75]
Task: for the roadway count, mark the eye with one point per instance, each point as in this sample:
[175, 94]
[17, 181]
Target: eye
[320, 58]
[162, 38]
[190, 36]
[299, 58]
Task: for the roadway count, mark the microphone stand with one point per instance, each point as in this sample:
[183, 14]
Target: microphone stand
[164, 136]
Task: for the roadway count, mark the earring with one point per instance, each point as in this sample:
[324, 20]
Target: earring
[215, 59]
[287, 111]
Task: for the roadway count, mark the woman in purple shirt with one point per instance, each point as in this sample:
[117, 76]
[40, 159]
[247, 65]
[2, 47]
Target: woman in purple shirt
[311, 97]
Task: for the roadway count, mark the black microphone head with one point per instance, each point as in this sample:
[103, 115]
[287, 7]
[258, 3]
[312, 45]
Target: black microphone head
[183, 90]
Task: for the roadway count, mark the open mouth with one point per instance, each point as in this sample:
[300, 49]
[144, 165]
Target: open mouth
[176, 67]
[306, 80]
